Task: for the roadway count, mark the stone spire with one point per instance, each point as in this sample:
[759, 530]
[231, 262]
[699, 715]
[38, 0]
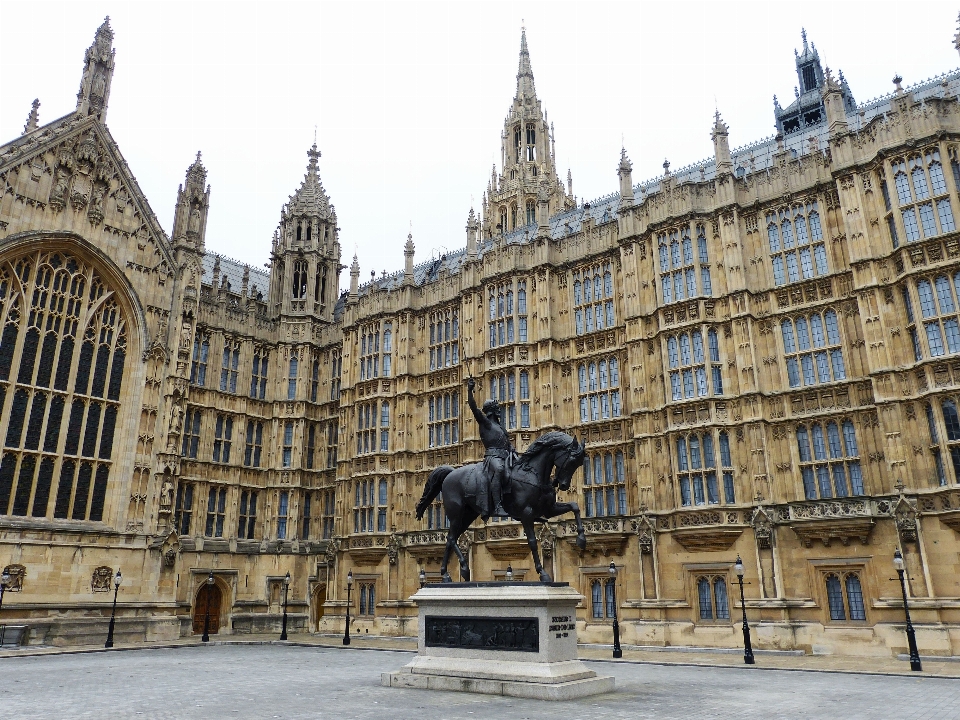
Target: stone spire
[408, 250]
[525, 86]
[97, 73]
[471, 235]
[33, 118]
[956, 38]
[625, 173]
[354, 278]
[721, 145]
[193, 204]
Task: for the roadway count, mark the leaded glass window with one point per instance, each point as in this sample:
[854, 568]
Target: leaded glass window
[62, 356]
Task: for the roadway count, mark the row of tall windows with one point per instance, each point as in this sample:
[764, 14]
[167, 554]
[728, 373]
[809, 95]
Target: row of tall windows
[922, 197]
[376, 348]
[503, 389]
[938, 304]
[797, 248]
[683, 273]
[373, 417]
[599, 386]
[593, 298]
[370, 505]
[811, 346]
[947, 425]
[444, 339]
[443, 419]
[507, 311]
[604, 485]
[701, 477]
[693, 372]
[829, 460]
[62, 357]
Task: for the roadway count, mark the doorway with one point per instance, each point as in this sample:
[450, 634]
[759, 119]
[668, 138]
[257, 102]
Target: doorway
[319, 598]
[208, 600]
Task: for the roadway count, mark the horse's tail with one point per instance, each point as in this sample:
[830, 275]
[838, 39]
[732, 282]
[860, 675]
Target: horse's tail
[432, 488]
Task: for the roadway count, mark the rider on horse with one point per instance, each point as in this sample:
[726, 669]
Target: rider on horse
[499, 452]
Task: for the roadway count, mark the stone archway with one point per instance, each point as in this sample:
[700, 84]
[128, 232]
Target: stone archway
[209, 598]
[316, 607]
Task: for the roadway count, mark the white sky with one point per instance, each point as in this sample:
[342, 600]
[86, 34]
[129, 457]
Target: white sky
[409, 98]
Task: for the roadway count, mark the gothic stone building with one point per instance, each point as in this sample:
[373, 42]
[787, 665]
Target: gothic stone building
[760, 351]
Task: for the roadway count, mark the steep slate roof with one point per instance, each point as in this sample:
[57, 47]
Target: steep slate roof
[233, 271]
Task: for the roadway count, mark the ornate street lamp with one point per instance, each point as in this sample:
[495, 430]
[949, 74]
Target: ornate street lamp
[509, 574]
[911, 636]
[206, 616]
[747, 647]
[286, 588]
[617, 652]
[113, 613]
[423, 577]
[346, 629]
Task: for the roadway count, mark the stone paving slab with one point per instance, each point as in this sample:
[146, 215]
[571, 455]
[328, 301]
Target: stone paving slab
[681, 656]
[298, 681]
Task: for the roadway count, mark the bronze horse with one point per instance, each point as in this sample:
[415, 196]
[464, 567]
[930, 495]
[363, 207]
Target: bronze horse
[532, 494]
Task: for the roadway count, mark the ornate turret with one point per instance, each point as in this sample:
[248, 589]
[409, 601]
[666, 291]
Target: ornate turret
[33, 119]
[833, 105]
[408, 250]
[721, 144]
[808, 109]
[527, 154]
[306, 251]
[625, 173]
[97, 74]
[472, 235]
[354, 279]
[193, 204]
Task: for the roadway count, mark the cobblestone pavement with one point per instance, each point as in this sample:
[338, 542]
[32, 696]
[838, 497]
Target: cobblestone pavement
[274, 681]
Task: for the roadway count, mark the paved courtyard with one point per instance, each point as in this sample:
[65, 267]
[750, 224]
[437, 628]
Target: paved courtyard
[272, 681]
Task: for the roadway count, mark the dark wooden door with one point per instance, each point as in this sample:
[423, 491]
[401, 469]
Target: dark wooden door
[208, 598]
[319, 598]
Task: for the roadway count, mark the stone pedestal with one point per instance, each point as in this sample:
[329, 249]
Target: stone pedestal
[516, 639]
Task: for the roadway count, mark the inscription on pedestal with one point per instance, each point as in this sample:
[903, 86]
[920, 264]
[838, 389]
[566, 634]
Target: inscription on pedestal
[483, 633]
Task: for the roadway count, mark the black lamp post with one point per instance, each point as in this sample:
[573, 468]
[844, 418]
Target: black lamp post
[286, 588]
[113, 613]
[4, 581]
[911, 636]
[747, 647]
[509, 574]
[423, 577]
[346, 629]
[617, 652]
[206, 616]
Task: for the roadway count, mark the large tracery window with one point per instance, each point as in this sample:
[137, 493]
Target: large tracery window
[62, 355]
[679, 263]
[796, 244]
[922, 196]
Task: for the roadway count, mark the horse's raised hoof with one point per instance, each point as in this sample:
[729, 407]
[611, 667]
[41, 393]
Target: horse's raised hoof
[545, 576]
[446, 578]
[581, 542]
[465, 574]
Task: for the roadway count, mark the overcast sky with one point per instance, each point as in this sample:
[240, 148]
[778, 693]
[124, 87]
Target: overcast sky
[409, 98]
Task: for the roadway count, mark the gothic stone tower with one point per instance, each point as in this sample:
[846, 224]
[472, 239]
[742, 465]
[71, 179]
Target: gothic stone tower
[306, 252]
[529, 175]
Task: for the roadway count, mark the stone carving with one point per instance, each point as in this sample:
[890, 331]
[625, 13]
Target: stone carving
[516, 634]
[906, 518]
[17, 574]
[393, 548]
[101, 580]
[762, 528]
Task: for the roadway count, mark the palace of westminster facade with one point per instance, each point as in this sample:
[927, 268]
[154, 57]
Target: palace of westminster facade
[760, 351]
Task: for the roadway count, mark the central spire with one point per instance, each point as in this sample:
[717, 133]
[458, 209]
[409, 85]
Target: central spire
[525, 86]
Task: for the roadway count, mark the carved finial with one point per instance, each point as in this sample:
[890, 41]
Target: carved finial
[33, 118]
[897, 79]
[314, 155]
[803, 34]
[666, 166]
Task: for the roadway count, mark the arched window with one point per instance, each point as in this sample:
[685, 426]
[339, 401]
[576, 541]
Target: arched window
[320, 287]
[812, 348]
[796, 243]
[845, 599]
[292, 379]
[299, 232]
[531, 143]
[531, 212]
[299, 279]
[712, 598]
[922, 213]
[514, 217]
[832, 469]
[604, 485]
[503, 219]
[62, 358]
[689, 376]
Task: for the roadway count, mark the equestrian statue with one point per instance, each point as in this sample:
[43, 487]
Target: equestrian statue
[522, 486]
